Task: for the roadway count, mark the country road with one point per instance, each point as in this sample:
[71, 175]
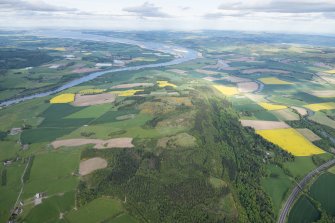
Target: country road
[290, 201]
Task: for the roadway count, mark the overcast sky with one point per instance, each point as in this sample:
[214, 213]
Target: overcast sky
[305, 16]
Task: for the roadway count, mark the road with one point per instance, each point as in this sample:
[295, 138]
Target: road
[300, 186]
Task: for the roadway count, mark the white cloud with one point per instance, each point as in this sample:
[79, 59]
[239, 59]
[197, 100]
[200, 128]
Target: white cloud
[148, 10]
[281, 6]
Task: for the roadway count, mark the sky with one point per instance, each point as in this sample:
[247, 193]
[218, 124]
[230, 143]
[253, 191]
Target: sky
[290, 16]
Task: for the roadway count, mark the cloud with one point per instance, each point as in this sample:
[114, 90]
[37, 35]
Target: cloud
[280, 6]
[36, 6]
[220, 15]
[147, 9]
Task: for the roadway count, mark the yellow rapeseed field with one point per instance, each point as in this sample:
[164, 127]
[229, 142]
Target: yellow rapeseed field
[126, 93]
[271, 107]
[62, 98]
[291, 141]
[165, 84]
[273, 81]
[321, 106]
[91, 91]
[330, 71]
[228, 91]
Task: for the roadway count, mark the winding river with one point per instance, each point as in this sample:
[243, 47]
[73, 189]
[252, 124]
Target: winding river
[181, 55]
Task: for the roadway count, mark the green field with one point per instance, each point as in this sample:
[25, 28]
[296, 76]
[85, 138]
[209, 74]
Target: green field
[52, 173]
[303, 211]
[322, 191]
[277, 185]
[98, 210]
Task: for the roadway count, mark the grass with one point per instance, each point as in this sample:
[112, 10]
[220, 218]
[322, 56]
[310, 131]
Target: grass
[321, 106]
[271, 107]
[122, 218]
[228, 91]
[265, 115]
[98, 210]
[303, 211]
[322, 190]
[273, 81]
[291, 141]
[276, 185]
[300, 166]
[8, 149]
[10, 192]
[52, 173]
[62, 99]
[44, 134]
[23, 113]
[51, 208]
[216, 182]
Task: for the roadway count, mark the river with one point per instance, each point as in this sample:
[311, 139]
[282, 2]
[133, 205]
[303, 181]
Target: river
[181, 55]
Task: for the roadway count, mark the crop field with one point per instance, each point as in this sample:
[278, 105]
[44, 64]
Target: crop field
[291, 141]
[62, 99]
[271, 107]
[92, 164]
[308, 134]
[165, 84]
[264, 125]
[95, 99]
[91, 91]
[321, 106]
[98, 143]
[324, 94]
[323, 119]
[273, 81]
[94, 111]
[303, 211]
[286, 115]
[322, 190]
[228, 91]
[330, 71]
[126, 93]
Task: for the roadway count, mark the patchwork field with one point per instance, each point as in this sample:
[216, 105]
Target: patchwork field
[291, 141]
[264, 125]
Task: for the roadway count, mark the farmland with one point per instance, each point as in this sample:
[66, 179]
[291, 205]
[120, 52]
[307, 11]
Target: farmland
[221, 138]
[290, 140]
